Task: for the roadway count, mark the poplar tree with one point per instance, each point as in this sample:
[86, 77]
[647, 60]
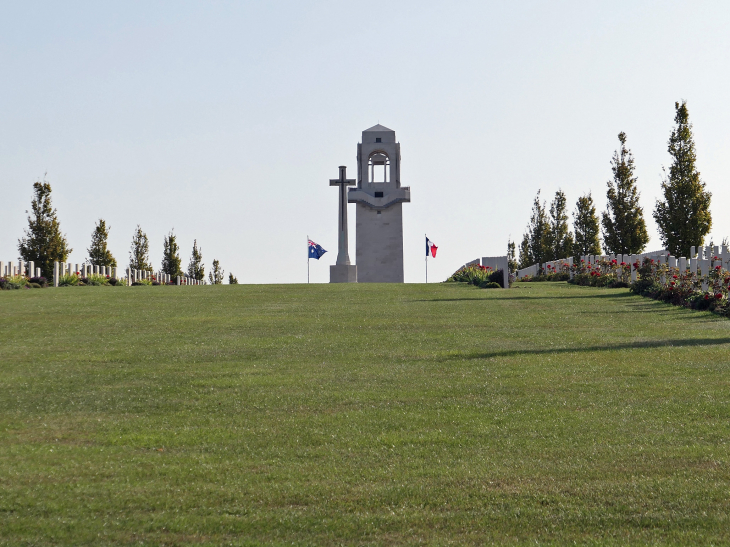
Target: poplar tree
[99, 254]
[624, 229]
[139, 257]
[525, 259]
[216, 273]
[232, 280]
[683, 216]
[43, 243]
[559, 236]
[585, 225]
[171, 263]
[196, 268]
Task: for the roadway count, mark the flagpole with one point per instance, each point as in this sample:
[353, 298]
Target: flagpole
[307, 259]
[424, 235]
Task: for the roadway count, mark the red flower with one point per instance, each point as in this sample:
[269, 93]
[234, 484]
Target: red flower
[718, 267]
[623, 263]
[674, 276]
[707, 297]
[718, 295]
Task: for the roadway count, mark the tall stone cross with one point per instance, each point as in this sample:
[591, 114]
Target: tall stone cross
[343, 256]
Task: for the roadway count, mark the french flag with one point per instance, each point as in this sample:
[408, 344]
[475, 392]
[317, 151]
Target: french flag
[431, 248]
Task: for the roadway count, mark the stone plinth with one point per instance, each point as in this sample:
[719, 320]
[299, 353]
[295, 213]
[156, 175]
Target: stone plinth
[343, 273]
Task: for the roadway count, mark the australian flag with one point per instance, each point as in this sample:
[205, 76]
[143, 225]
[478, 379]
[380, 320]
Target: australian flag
[315, 250]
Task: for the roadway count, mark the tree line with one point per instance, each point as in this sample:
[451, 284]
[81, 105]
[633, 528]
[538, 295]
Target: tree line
[44, 244]
[682, 216]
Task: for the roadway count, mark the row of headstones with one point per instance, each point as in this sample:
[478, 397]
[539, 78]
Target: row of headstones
[84, 270]
[495, 263]
[700, 262]
[162, 277]
[9, 269]
[554, 265]
[693, 263]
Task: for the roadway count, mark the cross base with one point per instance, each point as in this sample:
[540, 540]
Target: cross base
[343, 273]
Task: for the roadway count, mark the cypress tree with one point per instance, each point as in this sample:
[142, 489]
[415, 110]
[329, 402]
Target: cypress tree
[624, 229]
[99, 254]
[585, 225]
[560, 237]
[232, 280]
[216, 273]
[171, 256]
[537, 243]
[139, 257]
[43, 243]
[683, 216]
[196, 268]
[511, 256]
[539, 236]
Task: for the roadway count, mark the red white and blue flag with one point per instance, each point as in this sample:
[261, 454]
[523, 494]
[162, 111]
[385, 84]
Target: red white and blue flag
[431, 248]
[315, 250]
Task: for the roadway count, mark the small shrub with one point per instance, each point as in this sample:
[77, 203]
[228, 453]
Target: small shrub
[34, 285]
[641, 285]
[69, 280]
[497, 277]
[14, 282]
[97, 280]
[477, 275]
[113, 281]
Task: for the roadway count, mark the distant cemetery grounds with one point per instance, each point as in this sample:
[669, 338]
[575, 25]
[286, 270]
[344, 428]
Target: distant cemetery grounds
[361, 414]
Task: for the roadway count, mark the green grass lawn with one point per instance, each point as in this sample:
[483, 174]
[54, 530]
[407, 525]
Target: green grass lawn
[361, 414]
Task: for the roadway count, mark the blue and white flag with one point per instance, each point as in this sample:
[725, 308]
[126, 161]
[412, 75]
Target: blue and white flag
[315, 250]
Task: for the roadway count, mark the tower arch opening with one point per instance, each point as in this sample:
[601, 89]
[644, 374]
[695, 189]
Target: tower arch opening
[378, 168]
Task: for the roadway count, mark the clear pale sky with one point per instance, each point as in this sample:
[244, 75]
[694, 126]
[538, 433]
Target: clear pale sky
[225, 120]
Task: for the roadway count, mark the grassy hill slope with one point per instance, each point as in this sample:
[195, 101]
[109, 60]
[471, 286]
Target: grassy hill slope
[361, 414]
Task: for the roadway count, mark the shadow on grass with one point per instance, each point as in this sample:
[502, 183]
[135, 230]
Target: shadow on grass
[561, 297]
[676, 343]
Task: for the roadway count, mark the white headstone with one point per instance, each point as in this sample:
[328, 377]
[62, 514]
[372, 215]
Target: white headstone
[705, 270]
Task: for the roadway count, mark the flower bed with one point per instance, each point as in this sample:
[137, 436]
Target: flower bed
[603, 273]
[483, 277]
[687, 289]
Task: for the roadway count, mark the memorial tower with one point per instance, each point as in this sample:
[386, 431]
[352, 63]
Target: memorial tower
[379, 199]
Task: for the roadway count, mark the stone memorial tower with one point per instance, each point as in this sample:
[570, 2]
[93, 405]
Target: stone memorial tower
[379, 215]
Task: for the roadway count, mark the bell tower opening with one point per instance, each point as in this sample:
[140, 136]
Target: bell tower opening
[379, 168]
